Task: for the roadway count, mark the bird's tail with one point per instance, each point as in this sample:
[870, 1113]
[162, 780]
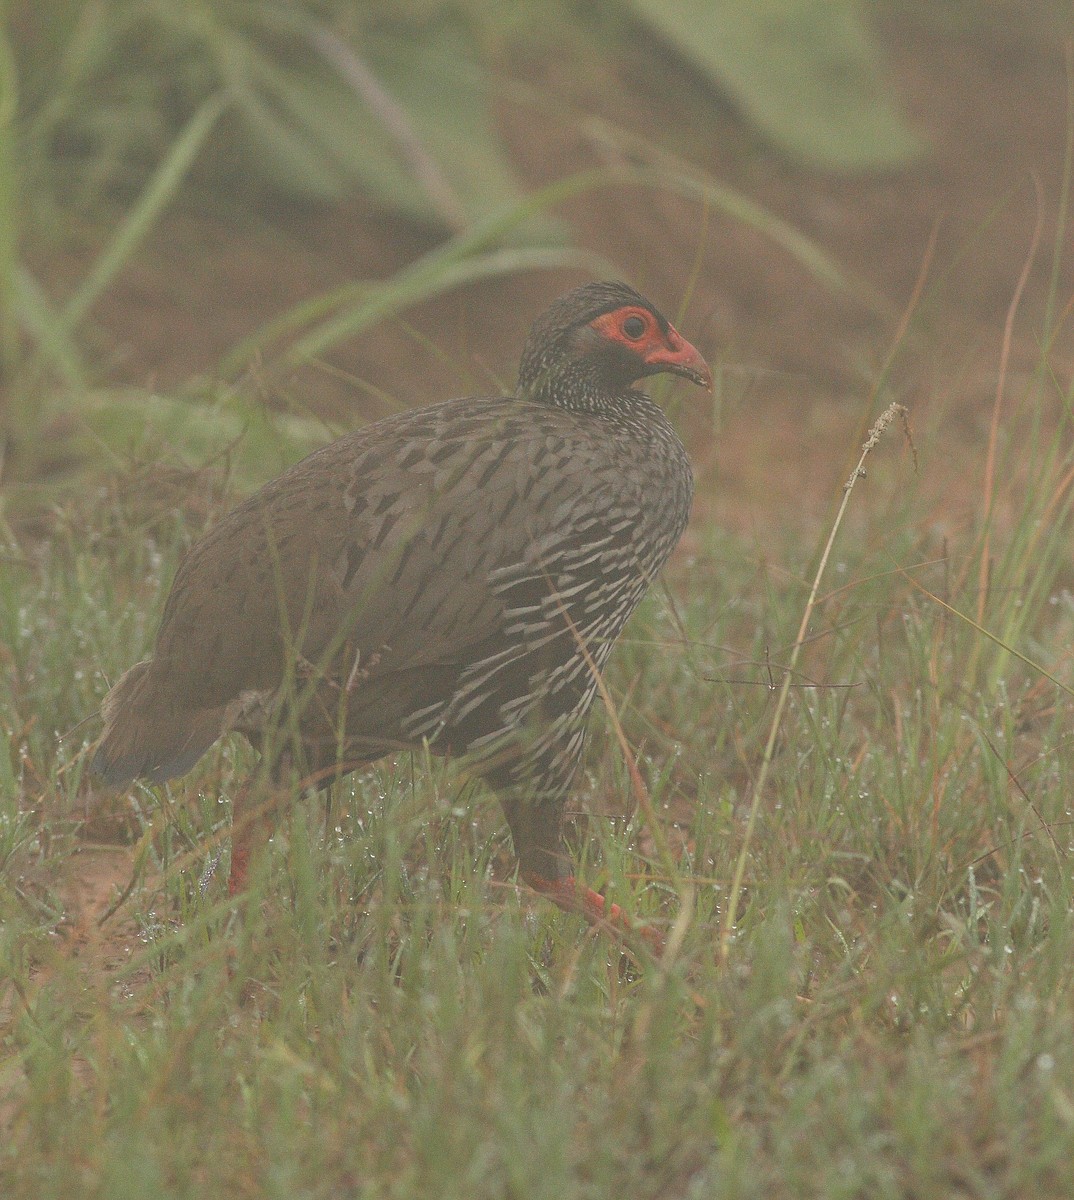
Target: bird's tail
[147, 737]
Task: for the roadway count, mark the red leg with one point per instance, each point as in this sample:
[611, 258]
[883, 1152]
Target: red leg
[240, 866]
[574, 897]
[251, 825]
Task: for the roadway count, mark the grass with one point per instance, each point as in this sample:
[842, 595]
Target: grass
[113, 112]
[389, 1016]
[870, 989]
[882, 1008]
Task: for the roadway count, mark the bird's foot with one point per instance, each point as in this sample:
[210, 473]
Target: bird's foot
[575, 897]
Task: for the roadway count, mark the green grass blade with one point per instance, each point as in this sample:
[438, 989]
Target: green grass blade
[409, 289]
[440, 270]
[658, 168]
[737, 205]
[9, 202]
[430, 275]
[160, 190]
[995, 639]
[44, 324]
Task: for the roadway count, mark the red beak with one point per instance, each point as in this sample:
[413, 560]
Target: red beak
[680, 358]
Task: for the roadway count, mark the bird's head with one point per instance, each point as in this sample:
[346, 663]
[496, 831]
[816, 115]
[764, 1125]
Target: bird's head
[598, 340]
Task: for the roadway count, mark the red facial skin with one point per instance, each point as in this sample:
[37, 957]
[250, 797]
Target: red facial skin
[664, 351]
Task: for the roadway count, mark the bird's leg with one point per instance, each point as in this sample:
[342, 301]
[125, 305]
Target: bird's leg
[537, 834]
[252, 819]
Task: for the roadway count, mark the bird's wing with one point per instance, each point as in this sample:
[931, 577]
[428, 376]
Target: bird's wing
[401, 544]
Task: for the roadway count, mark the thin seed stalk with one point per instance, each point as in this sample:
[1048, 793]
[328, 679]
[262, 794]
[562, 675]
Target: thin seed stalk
[883, 421]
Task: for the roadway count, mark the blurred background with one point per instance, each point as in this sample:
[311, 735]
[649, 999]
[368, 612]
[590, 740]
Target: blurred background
[216, 210]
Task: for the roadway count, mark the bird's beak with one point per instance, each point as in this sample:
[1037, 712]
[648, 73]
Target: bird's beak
[680, 358]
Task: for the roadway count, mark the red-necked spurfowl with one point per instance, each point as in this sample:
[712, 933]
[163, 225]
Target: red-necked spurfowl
[450, 577]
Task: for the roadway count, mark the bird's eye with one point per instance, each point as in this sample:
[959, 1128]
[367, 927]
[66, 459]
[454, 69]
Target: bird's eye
[633, 327]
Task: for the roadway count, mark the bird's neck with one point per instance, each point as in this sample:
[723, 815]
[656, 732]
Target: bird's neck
[577, 387]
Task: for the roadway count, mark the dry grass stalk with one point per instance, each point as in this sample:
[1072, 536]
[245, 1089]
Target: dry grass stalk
[892, 412]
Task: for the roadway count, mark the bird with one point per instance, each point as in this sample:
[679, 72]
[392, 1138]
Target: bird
[451, 577]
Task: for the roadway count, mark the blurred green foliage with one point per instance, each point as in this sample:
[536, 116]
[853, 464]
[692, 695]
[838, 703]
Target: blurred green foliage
[109, 109]
[320, 97]
[804, 72]
[394, 98]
